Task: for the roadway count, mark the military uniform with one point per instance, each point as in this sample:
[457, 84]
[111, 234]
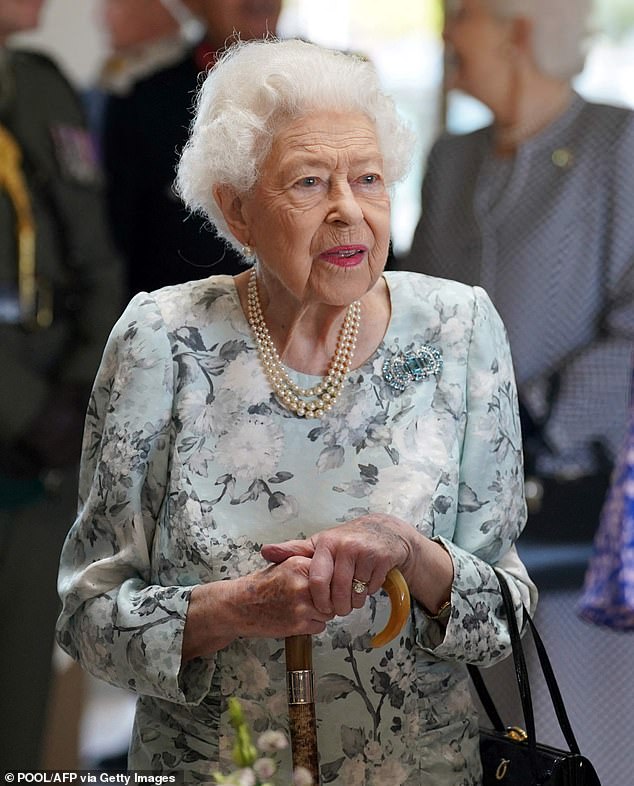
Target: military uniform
[60, 293]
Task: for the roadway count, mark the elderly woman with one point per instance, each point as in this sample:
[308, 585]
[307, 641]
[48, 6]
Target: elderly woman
[350, 420]
[536, 208]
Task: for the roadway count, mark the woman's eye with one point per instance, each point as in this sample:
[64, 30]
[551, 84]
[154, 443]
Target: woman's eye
[308, 182]
[369, 180]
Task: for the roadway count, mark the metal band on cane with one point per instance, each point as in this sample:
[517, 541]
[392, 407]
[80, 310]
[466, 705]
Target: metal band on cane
[300, 686]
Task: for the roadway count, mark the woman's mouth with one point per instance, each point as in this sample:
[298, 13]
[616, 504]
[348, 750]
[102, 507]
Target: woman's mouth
[345, 256]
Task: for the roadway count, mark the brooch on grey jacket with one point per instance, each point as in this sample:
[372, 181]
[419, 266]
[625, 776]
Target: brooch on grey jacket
[412, 366]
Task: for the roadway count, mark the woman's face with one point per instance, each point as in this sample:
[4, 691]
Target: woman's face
[129, 23]
[479, 52]
[319, 215]
[17, 16]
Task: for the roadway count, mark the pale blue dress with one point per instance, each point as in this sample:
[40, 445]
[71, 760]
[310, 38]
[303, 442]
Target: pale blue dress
[190, 465]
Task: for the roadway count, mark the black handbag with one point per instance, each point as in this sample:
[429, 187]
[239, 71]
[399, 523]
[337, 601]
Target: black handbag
[513, 757]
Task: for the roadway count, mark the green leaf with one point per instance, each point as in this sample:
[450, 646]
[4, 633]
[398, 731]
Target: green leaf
[335, 686]
[353, 741]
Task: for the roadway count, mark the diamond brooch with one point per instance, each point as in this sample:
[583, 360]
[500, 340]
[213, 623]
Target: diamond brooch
[412, 366]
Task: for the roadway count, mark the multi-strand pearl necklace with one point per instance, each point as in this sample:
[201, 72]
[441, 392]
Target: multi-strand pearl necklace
[304, 402]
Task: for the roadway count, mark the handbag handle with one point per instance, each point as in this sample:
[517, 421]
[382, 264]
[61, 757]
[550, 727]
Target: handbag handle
[521, 673]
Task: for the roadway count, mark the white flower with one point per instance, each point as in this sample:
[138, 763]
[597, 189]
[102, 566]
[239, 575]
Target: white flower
[199, 461]
[357, 415]
[373, 750]
[196, 413]
[223, 310]
[453, 331]
[243, 383]
[483, 384]
[353, 772]
[251, 447]
[271, 741]
[423, 441]
[276, 705]
[250, 671]
[264, 768]
[177, 310]
[404, 490]
[390, 773]
[245, 777]
[357, 623]
[302, 777]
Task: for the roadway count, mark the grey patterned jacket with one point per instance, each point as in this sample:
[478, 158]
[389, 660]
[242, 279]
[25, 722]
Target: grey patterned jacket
[550, 236]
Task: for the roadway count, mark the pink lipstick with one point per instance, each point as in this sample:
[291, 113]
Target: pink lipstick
[345, 256]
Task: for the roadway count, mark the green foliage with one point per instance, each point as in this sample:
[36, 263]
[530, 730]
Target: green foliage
[255, 768]
[244, 751]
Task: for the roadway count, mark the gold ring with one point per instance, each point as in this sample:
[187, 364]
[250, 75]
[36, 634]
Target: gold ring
[359, 587]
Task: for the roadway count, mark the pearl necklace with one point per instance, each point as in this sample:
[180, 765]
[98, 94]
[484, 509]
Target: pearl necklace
[304, 402]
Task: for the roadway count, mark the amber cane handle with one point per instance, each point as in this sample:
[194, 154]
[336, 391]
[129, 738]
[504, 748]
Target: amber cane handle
[301, 703]
[398, 593]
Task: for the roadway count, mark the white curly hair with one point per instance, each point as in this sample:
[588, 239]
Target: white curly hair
[560, 31]
[252, 91]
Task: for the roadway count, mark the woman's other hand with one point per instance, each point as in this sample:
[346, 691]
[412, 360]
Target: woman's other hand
[274, 602]
[364, 550]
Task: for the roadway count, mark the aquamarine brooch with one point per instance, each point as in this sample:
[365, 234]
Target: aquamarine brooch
[412, 366]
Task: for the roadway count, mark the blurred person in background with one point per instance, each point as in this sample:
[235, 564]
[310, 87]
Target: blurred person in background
[143, 36]
[143, 133]
[59, 296]
[537, 209]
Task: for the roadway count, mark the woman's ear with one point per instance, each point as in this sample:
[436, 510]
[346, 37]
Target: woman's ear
[231, 206]
[522, 36]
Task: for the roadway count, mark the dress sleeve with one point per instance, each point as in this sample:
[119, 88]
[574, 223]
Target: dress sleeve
[116, 619]
[491, 508]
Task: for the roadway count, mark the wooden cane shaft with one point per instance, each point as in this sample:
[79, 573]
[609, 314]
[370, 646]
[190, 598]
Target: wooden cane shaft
[303, 731]
[299, 653]
[301, 704]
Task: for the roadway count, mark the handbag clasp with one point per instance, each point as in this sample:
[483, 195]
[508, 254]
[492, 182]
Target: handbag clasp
[516, 734]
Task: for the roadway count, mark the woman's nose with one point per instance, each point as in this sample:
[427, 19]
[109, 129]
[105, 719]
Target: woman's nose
[344, 206]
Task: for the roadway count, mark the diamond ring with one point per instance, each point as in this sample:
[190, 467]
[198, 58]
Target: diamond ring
[359, 587]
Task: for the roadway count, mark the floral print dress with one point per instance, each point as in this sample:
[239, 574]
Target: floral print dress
[190, 464]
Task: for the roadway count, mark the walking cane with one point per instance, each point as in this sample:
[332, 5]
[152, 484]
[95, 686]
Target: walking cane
[300, 676]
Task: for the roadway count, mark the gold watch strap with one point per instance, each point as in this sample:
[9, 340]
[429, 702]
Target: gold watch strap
[442, 611]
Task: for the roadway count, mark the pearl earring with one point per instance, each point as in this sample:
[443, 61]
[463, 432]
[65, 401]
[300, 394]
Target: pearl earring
[248, 252]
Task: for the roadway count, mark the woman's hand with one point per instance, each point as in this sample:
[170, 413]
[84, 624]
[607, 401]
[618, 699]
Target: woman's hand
[365, 549]
[310, 582]
[274, 602]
